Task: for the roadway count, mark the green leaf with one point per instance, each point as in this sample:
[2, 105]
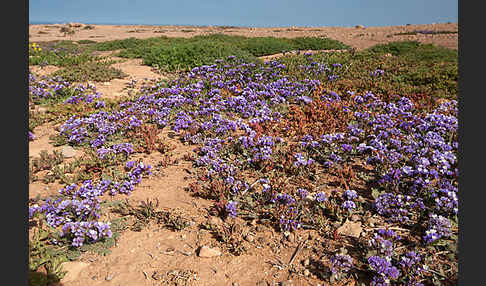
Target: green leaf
[375, 193]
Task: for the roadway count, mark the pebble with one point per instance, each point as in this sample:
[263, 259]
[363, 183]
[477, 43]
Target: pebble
[109, 277]
[306, 262]
[349, 228]
[214, 220]
[306, 272]
[207, 252]
[68, 151]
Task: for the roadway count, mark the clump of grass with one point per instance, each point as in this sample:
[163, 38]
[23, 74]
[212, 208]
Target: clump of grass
[90, 71]
[147, 212]
[46, 161]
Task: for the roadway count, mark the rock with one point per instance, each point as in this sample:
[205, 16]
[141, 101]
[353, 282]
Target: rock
[287, 283]
[306, 262]
[207, 252]
[42, 109]
[68, 151]
[350, 228]
[76, 25]
[355, 217]
[73, 269]
[249, 238]
[214, 220]
[306, 272]
[291, 238]
[109, 277]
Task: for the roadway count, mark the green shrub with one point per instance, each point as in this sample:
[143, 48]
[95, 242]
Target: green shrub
[264, 46]
[185, 55]
[415, 51]
[85, 42]
[313, 43]
[90, 71]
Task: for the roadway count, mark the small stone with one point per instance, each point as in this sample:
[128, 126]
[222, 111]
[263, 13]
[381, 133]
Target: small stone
[42, 109]
[306, 272]
[291, 238]
[306, 262]
[109, 277]
[207, 252]
[214, 220]
[349, 228]
[68, 151]
[355, 217]
[235, 284]
[287, 283]
[73, 269]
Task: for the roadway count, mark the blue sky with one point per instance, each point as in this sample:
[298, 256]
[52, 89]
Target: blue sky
[252, 13]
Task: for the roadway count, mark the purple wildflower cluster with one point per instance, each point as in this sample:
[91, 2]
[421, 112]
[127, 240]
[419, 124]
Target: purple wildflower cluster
[77, 211]
[43, 88]
[386, 267]
[377, 72]
[83, 93]
[438, 227]
[340, 264]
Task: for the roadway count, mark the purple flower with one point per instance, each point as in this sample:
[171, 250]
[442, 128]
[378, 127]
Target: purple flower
[340, 263]
[231, 209]
[349, 205]
[302, 193]
[350, 195]
[320, 197]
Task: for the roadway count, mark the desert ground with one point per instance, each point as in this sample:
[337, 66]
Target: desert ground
[155, 255]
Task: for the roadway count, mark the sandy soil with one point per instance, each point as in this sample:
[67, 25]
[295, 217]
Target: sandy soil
[146, 257]
[357, 37]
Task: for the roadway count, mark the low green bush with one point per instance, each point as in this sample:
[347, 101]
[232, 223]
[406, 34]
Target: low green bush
[185, 55]
[98, 71]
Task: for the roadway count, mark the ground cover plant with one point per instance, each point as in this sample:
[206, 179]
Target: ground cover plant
[184, 53]
[307, 142]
